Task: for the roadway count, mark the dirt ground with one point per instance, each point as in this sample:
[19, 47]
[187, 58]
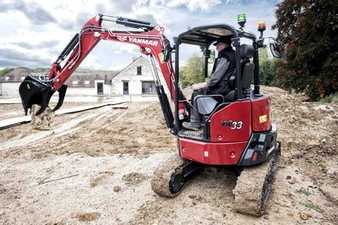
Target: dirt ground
[15, 110]
[95, 167]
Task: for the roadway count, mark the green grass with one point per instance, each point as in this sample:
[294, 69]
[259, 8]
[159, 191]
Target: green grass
[311, 205]
[5, 71]
[304, 191]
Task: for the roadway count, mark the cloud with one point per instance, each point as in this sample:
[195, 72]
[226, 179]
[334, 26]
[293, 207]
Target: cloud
[32, 11]
[34, 31]
[123, 6]
[44, 44]
[14, 57]
[193, 5]
[9, 63]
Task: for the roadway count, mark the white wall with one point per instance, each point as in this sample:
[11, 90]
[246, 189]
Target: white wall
[130, 74]
[10, 89]
[81, 92]
[107, 91]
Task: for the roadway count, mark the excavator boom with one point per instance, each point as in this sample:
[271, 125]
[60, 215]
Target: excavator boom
[147, 37]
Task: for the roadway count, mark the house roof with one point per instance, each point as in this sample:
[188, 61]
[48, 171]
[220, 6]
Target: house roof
[17, 74]
[128, 66]
[80, 75]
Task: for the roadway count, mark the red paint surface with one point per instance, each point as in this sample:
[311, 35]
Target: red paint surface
[217, 153]
[261, 106]
[237, 111]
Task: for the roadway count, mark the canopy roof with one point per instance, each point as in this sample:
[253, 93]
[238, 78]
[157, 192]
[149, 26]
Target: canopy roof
[205, 35]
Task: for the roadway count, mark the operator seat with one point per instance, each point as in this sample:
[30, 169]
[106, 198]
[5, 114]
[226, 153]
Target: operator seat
[206, 104]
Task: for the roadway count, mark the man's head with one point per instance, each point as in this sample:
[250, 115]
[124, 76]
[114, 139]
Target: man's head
[222, 43]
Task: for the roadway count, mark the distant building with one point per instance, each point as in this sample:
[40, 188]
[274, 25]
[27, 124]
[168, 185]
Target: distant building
[90, 83]
[134, 79]
[9, 83]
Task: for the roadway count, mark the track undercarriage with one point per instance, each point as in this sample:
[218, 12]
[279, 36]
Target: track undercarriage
[252, 191]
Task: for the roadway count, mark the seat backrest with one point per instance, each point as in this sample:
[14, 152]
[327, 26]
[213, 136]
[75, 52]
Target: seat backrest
[247, 52]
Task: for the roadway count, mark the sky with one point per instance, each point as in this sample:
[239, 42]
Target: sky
[34, 32]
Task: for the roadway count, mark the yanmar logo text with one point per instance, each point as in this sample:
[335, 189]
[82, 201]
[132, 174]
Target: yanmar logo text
[143, 41]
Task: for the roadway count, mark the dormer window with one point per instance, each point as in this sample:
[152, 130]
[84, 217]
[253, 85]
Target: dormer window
[139, 70]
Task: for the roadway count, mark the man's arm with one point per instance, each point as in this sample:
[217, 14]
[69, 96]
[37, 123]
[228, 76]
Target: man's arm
[217, 75]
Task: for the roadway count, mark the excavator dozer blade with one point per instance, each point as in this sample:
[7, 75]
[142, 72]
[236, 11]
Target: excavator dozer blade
[35, 91]
[62, 94]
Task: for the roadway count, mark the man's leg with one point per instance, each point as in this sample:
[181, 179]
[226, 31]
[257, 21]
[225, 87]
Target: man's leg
[195, 117]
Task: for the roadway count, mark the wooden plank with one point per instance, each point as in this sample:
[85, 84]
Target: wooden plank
[7, 123]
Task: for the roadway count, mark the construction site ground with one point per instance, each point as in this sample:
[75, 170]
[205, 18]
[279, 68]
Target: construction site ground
[95, 167]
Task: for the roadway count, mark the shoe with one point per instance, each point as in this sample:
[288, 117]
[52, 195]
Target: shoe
[191, 126]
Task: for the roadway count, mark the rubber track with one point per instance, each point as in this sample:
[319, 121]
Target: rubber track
[162, 175]
[254, 186]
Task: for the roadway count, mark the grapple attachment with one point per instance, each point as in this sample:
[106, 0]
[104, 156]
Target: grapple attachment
[39, 92]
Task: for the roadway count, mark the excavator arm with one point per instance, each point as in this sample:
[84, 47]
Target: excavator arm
[147, 37]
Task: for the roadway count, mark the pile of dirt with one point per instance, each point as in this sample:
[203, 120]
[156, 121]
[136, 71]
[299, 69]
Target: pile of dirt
[133, 178]
[308, 130]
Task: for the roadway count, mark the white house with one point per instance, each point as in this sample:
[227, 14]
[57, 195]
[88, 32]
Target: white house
[134, 79]
[9, 88]
[82, 83]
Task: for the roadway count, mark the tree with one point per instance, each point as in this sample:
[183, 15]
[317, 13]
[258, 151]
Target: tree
[192, 71]
[307, 30]
[267, 68]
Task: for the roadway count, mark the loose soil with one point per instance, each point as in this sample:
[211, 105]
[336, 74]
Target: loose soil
[95, 167]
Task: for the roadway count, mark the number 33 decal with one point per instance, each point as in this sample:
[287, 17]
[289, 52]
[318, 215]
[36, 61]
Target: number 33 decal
[236, 125]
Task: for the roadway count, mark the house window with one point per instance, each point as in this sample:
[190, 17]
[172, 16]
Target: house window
[75, 82]
[87, 82]
[139, 70]
[125, 87]
[148, 87]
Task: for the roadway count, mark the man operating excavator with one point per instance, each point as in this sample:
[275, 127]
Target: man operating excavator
[220, 82]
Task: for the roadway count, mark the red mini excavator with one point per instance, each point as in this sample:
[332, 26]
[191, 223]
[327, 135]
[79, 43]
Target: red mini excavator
[236, 132]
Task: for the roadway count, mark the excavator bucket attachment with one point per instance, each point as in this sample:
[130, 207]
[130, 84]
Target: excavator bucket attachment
[35, 91]
[62, 94]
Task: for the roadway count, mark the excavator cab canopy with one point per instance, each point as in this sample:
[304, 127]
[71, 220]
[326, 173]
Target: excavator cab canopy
[204, 36]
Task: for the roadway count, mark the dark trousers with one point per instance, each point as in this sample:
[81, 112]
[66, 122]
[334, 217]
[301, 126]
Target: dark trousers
[195, 117]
